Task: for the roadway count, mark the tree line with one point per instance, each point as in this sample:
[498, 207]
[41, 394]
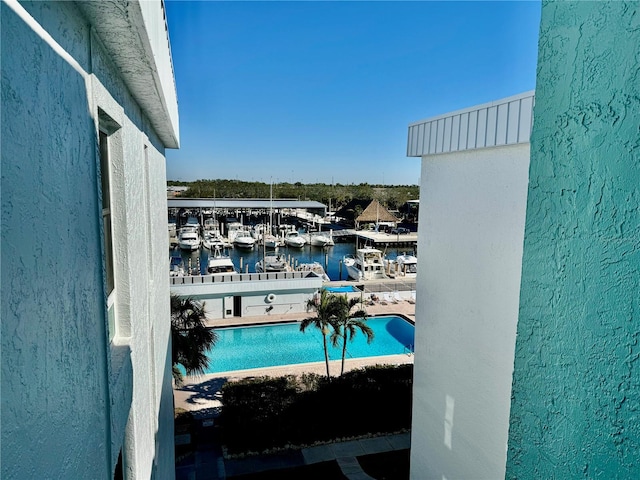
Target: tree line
[335, 195]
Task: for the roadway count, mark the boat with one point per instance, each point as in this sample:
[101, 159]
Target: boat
[173, 234]
[220, 263]
[211, 224]
[406, 265]
[188, 238]
[284, 229]
[367, 265]
[273, 262]
[348, 259]
[271, 241]
[218, 241]
[176, 267]
[321, 240]
[234, 227]
[294, 239]
[207, 239]
[314, 267]
[193, 223]
[244, 239]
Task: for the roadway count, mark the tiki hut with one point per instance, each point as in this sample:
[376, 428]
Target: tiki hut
[376, 213]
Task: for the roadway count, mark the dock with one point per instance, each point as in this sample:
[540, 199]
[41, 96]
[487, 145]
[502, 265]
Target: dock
[376, 239]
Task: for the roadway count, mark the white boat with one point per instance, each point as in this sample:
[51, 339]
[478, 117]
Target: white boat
[273, 262]
[294, 239]
[211, 224]
[220, 263]
[348, 259]
[271, 241]
[233, 228]
[368, 265]
[243, 239]
[193, 223]
[407, 265]
[321, 240]
[218, 241]
[207, 239]
[314, 267]
[284, 229]
[258, 231]
[189, 239]
[176, 267]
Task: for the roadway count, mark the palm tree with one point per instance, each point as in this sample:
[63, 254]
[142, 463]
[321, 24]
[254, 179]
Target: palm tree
[348, 322]
[190, 337]
[326, 313]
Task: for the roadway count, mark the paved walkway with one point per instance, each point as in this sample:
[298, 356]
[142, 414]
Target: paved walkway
[210, 465]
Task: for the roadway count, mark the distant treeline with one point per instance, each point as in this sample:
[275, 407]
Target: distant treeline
[338, 195]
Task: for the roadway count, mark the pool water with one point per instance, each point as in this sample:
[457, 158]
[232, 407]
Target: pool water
[241, 348]
[343, 289]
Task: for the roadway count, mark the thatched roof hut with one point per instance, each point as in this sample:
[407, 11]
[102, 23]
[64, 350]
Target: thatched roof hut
[376, 213]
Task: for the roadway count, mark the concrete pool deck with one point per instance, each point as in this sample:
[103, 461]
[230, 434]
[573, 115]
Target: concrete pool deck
[202, 393]
[379, 308]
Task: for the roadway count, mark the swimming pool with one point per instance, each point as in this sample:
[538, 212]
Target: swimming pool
[241, 348]
[342, 289]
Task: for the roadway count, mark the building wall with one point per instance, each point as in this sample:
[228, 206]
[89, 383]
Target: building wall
[290, 296]
[54, 372]
[576, 388]
[472, 210]
[72, 400]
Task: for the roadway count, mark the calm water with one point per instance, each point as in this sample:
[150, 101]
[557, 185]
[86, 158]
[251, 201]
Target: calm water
[328, 257]
[241, 348]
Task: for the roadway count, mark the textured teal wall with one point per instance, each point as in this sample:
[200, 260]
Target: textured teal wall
[575, 409]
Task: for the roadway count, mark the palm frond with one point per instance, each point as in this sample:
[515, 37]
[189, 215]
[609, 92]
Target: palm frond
[191, 339]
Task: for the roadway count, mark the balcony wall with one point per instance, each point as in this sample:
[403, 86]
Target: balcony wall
[472, 210]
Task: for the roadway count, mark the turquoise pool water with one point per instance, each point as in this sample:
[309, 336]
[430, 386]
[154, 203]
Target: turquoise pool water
[241, 348]
[346, 288]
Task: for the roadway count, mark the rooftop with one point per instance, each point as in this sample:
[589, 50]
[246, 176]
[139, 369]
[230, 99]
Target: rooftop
[503, 122]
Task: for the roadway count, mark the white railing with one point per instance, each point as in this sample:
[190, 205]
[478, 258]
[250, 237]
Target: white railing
[240, 277]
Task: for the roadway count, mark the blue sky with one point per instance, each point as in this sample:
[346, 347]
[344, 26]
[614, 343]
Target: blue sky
[324, 91]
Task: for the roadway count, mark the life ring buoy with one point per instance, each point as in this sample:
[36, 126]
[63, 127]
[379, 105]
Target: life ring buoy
[271, 297]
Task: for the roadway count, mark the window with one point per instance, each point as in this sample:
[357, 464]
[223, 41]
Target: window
[107, 128]
[106, 209]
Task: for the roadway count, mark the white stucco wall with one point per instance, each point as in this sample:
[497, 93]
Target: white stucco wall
[291, 295]
[71, 400]
[472, 211]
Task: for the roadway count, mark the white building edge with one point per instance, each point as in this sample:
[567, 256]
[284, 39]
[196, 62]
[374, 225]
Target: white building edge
[86, 368]
[473, 195]
[249, 294]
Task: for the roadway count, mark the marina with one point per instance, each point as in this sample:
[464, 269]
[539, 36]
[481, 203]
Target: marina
[331, 258]
[256, 260]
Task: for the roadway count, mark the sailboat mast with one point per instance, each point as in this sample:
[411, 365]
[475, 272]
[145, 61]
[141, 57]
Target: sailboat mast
[264, 234]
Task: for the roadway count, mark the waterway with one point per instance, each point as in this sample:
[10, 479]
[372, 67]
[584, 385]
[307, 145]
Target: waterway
[329, 257]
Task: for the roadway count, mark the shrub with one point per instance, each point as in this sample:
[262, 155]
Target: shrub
[264, 413]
